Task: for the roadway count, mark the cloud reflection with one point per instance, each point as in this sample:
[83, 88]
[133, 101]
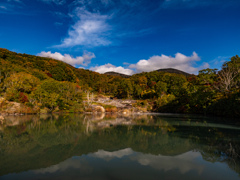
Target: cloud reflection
[71, 163]
[128, 164]
[110, 155]
[184, 162]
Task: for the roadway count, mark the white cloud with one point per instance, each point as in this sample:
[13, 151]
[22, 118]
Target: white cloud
[58, 2]
[14, 1]
[192, 3]
[218, 61]
[180, 62]
[60, 14]
[84, 60]
[93, 2]
[90, 29]
[3, 7]
[10, 6]
[109, 67]
[106, 2]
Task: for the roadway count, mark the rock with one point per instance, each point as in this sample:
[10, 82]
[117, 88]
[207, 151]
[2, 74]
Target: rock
[1, 100]
[98, 108]
[2, 119]
[97, 117]
[115, 122]
[126, 111]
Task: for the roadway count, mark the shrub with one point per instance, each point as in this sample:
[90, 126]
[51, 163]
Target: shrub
[23, 98]
[110, 108]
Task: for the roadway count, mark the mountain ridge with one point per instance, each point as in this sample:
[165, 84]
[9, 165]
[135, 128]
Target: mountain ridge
[113, 73]
[167, 70]
[173, 70]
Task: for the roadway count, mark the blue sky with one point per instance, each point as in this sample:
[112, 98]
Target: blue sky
[124, 36]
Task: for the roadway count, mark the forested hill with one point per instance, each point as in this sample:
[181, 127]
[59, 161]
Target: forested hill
[55, 69]
[44, 68]
[172, 70]
[40, 83]
[167, 70]
[117, 74]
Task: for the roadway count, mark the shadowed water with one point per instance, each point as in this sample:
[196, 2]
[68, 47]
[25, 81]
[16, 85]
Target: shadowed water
[162, 146]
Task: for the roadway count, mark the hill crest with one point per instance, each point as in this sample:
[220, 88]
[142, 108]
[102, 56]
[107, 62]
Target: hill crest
[172, 70]
[167, 70]
[112, 73]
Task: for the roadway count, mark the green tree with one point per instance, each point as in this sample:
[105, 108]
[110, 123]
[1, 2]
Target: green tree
[208, 76]
[161, 88]
[19, 82]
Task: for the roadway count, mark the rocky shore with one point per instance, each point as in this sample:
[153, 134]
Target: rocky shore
[123, 106]
[100, 105]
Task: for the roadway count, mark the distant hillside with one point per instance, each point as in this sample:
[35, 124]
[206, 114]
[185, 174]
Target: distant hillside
[172, 70]
[45, 85]
[43, 68]
[167, 70]
[117, 74]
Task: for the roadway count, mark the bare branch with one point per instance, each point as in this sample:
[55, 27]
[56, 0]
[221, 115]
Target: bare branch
[227, 78]
[89, 101]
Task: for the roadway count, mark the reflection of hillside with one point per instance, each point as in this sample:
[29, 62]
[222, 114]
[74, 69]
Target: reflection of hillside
[182, 164]
[55, 139]
[224, 149]
[102, 121]
[17, 120]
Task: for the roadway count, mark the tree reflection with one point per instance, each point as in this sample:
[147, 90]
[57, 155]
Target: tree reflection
[51, 139]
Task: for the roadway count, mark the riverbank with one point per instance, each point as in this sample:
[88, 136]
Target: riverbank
[100, 104]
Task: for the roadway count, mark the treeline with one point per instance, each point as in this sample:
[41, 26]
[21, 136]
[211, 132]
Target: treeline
[210, 92]
[47, 83]
[41, 83]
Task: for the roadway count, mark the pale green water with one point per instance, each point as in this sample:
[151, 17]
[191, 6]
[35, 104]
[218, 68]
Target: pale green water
[103, 147]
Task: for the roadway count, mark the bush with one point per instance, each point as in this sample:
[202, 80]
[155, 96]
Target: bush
[164, 100]
[21, 82]
[110, 108]
[229, 107]
[23, 98]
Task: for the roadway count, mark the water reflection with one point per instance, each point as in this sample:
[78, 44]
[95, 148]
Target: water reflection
[118, 147]
[184, 162]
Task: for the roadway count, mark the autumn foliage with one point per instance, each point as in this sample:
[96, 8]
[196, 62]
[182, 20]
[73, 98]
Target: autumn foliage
[48, 83]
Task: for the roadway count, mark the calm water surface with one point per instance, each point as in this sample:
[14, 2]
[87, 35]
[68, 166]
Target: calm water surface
[109, 147]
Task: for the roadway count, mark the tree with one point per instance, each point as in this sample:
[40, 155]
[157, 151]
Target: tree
[125, 89]
[19, 82]
[207, 76]
[227, 77]
[161, 88]
[89, 100]
[137, 90]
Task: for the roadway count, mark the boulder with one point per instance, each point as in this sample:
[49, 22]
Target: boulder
[2, 119]
[98, 109]
[126, 111]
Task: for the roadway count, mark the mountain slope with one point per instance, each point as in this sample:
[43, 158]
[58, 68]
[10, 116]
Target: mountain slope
[112, 73]
[172, 70]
